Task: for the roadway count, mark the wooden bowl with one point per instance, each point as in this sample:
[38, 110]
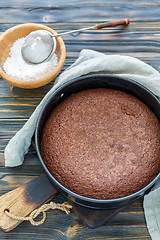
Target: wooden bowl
[10, 36]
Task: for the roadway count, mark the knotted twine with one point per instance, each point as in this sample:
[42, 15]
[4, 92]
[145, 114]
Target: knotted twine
[66, 207]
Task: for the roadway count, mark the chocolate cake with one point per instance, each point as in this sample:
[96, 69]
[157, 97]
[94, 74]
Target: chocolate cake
[102, 144]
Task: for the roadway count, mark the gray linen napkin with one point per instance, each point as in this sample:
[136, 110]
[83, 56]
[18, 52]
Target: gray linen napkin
[151, 205]
[94, 62]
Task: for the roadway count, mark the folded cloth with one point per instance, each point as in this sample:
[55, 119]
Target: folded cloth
[88, 62]
[151, 206]
[93, 62]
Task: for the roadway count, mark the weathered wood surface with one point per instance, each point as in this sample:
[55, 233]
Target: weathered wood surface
[140, 39]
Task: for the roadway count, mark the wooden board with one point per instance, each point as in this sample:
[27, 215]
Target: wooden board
[23, 200]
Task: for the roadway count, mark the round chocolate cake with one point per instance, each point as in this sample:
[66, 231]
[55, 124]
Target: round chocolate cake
[102, 143]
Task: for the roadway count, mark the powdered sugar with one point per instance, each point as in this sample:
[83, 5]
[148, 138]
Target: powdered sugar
[16, 67]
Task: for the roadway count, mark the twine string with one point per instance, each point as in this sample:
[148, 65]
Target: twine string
[66, 207]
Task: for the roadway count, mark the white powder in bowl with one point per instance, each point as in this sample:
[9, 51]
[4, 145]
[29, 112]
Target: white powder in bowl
[16, 67]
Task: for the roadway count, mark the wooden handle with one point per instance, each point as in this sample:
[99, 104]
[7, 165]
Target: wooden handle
[112, 24]
[23, 200]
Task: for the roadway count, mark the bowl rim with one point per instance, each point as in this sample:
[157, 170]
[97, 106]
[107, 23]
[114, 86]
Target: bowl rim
[35, 83]
[69, 192]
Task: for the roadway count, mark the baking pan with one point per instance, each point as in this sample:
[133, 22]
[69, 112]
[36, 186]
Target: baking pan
[90, 82]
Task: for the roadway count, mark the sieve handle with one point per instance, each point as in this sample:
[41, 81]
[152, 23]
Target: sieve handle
[97, 26]
[112, 24]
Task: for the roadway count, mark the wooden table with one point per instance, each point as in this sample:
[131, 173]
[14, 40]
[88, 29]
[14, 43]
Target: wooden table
[141, 39]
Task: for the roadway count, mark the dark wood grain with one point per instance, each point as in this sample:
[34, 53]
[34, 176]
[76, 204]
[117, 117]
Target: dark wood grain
[141, 39]
[77, 11]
